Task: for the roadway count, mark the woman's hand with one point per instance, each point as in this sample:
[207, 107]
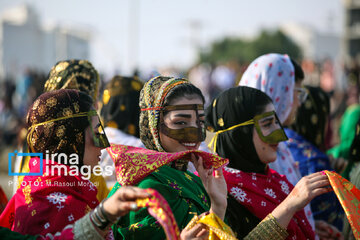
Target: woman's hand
[305, 190]
[214, 184]
[123, 201]
[326, 231]
[198, 232]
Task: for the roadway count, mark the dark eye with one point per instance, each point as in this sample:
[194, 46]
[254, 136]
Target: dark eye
[180, 123]
[267, 125]
[202, 122]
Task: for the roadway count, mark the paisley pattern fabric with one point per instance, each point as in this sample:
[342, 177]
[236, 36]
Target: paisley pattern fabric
[218, 230]
[74, 74]
[349, 197]
[161, 211]
[49, 202]
[133, 164]
[262, 193]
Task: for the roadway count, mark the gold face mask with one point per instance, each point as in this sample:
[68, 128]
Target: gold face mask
[187, 134]
[99, 138]
[267, 126]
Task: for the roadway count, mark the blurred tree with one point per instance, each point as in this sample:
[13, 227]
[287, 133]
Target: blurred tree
[244, 51]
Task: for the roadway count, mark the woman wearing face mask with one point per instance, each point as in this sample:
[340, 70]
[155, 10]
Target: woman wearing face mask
[306, 142]
[247, 132]
[82, 76]
[280, 78]
[64, 127]
[172, 120]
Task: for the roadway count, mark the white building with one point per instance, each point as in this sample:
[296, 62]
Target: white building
[315, 45]
[26, 43]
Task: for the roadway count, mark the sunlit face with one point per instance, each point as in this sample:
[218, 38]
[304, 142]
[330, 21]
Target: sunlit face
[265, 151]
[92, 153]
[180, 119]
[295, 106]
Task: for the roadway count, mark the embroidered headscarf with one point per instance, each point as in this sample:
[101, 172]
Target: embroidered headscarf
[312, 116]
[273, 74]
[74, 74]
[152, 98]
[62, 136]
[120, 104]
[232, 107]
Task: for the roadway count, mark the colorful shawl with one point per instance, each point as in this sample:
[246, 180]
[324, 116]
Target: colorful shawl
[132, 164]
[261, 194]
[311, 160]
[349, 197]
[160, 210]
[49, 202]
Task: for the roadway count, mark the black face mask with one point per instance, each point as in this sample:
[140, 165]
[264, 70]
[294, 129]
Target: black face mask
[187, 134]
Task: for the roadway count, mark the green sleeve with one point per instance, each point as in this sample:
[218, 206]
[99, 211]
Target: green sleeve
[6, 233]
[141, 225]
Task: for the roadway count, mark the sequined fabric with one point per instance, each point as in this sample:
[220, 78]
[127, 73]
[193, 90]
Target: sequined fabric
[74, 74]
[63, 136]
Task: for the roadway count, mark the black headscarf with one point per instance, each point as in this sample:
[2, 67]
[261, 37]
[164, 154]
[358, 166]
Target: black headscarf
[232, 107]
[121, 104]
[312, 117]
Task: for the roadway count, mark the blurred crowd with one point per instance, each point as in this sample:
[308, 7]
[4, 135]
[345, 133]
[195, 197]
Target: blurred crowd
[16, 95]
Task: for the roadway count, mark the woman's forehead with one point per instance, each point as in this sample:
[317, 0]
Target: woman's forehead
[185, 113]
[186, 100]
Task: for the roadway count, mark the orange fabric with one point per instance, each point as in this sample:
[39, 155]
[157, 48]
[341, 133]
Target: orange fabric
[349, 197]
[159, 208]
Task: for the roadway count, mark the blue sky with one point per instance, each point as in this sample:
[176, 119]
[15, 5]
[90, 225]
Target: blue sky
[164, 36]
